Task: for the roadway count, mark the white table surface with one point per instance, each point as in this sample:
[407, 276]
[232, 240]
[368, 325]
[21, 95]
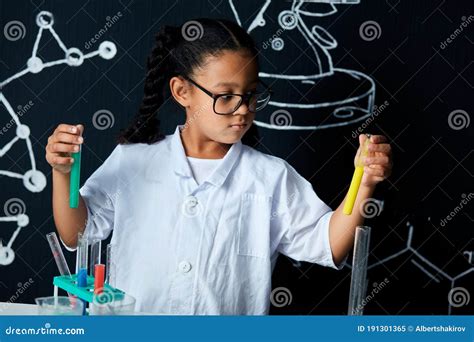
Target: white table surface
[15, 309]
[18, 309]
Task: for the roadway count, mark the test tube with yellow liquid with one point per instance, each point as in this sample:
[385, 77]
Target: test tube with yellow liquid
[356, 178]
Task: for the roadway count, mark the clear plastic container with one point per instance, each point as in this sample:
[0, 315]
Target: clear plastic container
[103, 305]
[60, 305]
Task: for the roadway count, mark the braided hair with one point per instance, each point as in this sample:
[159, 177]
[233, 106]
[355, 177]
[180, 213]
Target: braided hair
[179, 51]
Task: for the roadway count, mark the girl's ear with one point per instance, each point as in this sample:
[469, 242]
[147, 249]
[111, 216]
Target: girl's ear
[180, 91]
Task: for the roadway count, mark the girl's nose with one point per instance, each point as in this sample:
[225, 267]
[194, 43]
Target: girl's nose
[243, 109]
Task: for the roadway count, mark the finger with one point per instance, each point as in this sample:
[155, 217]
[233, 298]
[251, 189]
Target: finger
[385, 148]
[379, 160]
[377, 139]
[54, 159]
[387, 170]
[68, 138]
[375, 166]
[59, 147]
[362, 139]
[66, 129]
[374, 172]
[378, 171]
[383, 154]
[377, 179]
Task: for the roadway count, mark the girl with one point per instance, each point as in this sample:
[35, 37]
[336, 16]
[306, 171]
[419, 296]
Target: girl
[199, 218]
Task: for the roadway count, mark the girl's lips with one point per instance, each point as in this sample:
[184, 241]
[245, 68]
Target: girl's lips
[238, 127]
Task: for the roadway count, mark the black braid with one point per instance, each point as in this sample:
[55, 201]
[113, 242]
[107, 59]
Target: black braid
[174, 55]
[145, 126]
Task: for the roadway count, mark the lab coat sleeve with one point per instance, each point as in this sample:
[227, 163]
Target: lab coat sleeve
[300, 221]
[99, 193]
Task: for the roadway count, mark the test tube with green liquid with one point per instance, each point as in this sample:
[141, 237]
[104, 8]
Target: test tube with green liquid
[75, 178]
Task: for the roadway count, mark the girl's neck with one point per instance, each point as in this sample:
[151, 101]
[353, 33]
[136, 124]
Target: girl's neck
[197, 146]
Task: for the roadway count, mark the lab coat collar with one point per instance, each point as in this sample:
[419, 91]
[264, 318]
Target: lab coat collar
[181, 167]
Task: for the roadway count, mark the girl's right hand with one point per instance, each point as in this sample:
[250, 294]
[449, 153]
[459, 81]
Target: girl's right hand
[65, 140]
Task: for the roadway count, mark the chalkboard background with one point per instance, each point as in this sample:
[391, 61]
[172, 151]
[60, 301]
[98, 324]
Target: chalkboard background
[419, 56]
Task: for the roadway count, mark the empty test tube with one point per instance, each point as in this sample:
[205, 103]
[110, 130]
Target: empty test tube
[58, 254]
[359, 270]
[95, 255]
[110, 266]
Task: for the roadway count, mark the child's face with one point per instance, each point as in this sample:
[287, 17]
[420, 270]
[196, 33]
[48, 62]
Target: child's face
[232, 72]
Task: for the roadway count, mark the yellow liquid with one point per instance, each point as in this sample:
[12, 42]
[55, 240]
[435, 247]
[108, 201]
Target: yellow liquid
[353, 190]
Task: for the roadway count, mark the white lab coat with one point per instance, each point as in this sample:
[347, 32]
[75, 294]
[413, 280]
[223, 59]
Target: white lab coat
[188, 249]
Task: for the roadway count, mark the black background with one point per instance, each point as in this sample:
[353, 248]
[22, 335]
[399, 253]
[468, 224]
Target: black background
[422, 83]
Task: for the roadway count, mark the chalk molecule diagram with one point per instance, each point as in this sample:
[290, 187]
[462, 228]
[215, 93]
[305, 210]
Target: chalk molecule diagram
[34, 180]
[15, 211]
[456, 296]
[329, 97]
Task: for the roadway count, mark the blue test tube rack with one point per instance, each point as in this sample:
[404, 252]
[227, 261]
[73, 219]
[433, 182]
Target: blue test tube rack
[69, 284]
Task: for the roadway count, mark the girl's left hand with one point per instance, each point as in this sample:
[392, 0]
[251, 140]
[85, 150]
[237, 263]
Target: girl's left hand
[378, 163]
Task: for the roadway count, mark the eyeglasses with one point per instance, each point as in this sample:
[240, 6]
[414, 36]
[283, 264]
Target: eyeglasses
[227, 104]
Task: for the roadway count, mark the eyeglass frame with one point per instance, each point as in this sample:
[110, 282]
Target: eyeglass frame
[243, 97]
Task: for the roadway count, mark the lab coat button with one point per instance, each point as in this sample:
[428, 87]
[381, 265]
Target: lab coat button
[191, 201]
[184, 266]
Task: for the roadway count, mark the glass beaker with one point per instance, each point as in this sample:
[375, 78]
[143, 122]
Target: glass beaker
[107, 305]
[59, 305]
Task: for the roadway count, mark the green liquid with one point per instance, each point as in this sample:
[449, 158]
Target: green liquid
[75, 178]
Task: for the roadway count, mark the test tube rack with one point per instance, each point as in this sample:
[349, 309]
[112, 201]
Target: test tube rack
[69, 284]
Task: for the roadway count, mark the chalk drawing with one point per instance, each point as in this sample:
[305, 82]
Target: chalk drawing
[33, 179]
[351, 93]
[429, 268]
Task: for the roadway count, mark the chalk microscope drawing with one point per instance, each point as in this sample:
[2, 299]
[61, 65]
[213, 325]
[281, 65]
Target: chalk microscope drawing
[34, 180]
[329, 97]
